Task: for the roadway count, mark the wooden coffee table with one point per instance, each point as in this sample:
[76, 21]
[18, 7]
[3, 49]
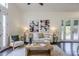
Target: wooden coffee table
[38, 49]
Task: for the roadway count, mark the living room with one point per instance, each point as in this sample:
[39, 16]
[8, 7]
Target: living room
[40, 25]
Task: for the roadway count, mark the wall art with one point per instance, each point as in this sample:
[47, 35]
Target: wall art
[44, 25]
[34, 26]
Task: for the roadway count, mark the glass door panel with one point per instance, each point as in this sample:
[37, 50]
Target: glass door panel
[75, 30]
[68, 48]
[70, 31]
[75, 45]
[75, 33]
[67, 30]
[62, 46]
[62, 33]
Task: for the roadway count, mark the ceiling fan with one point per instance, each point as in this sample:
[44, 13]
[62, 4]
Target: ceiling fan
[38, 3]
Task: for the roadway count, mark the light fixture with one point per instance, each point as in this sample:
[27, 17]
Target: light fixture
[26, 29]
[38, 3]
[53, 29]
[41, 4]
[28, 3]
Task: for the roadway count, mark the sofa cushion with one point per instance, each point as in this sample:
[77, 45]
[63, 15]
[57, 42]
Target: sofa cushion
[17, 43]
[15, 37]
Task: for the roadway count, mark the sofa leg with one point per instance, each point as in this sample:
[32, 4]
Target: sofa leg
[13, 47]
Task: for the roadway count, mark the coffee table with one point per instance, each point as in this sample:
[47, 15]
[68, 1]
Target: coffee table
[38, 49]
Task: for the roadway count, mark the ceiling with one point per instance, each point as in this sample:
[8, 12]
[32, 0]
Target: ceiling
[54, 7]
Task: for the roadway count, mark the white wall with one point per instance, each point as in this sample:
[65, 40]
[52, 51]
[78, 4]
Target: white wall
[14, 16]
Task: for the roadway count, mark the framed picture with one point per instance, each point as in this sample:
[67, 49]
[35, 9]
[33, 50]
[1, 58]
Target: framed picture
[39, 26]
[44, 25]
[34, 26]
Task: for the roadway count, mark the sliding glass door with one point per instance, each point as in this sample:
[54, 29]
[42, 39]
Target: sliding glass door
[68, 48]
[70, 35]
[74, 48]
[68, 30]
[67, 37]
[75, 30]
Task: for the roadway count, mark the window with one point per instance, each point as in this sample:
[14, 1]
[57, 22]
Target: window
[75, 22]
[75, 30]
[68, 23]
[69, 28]
[69, 31]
